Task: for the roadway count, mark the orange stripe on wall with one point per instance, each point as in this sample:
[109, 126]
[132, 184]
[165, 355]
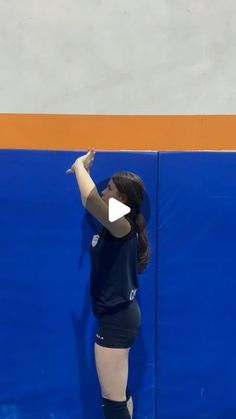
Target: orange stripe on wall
[80, 132]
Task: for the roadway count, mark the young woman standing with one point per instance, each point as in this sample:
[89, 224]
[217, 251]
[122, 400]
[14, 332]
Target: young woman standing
[118, 254]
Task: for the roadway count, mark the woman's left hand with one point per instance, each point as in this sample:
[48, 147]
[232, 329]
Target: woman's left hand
[86, 160]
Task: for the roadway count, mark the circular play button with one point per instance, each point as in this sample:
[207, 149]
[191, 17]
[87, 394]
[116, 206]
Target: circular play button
[117, 209]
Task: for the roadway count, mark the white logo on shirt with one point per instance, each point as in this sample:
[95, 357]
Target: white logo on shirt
[95, 239]
[132, 294]
[99, 337]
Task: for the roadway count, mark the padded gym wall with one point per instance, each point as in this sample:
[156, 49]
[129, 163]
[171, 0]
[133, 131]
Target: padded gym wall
[47, 328]
[182, 365]
[196, 285]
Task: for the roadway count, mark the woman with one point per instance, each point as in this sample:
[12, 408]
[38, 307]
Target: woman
[118, 254]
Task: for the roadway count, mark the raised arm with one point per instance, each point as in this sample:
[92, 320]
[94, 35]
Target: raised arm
[93, 202]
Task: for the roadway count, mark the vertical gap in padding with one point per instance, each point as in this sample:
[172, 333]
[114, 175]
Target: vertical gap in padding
[156, 291]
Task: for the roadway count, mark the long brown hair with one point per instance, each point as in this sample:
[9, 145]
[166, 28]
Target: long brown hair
[131, 187]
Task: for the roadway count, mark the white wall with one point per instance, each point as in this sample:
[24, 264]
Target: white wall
[118, 57]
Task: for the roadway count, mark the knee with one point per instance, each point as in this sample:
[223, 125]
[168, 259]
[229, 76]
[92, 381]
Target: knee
[113, 396]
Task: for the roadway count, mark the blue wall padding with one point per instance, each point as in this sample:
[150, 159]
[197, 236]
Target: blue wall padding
[183, 363]
[47, 366]
[196, 283]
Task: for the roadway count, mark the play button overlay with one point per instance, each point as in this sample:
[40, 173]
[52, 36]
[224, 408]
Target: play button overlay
[117, 209]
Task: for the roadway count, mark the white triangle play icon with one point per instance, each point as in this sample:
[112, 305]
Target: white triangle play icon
[116, 209]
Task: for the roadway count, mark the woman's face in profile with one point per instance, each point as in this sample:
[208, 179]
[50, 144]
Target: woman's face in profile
[110, 192]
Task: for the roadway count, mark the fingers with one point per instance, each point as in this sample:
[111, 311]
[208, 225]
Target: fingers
[92, 151]
[91, 156]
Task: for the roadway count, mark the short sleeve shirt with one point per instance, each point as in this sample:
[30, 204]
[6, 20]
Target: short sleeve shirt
[113, 275]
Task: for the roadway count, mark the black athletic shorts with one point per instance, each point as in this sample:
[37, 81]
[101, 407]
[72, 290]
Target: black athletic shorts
[119, 328]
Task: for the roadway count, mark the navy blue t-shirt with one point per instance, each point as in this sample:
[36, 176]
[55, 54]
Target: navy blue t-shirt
[113, 275]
